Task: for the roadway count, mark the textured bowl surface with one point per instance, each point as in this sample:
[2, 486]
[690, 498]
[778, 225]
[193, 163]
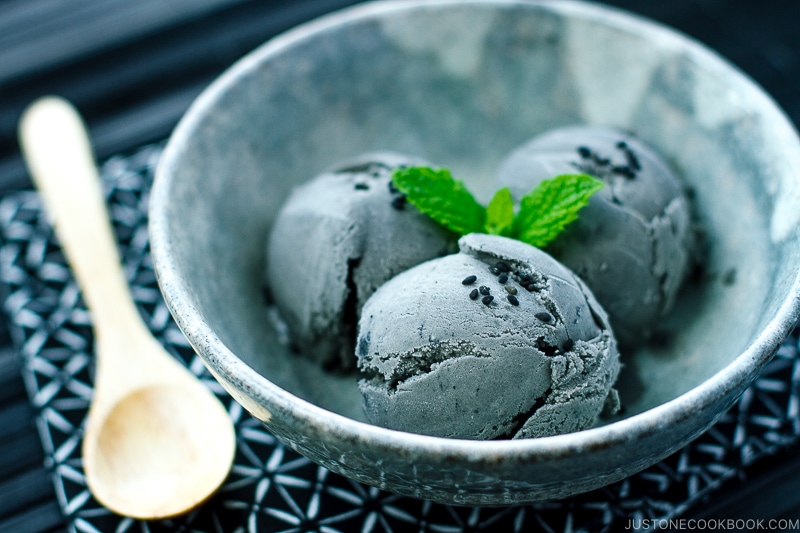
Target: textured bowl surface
[461, 83]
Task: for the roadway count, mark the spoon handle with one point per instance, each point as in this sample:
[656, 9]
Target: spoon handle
[60, 159]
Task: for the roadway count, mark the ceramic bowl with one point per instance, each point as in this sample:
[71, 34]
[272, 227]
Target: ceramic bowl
[461, 83]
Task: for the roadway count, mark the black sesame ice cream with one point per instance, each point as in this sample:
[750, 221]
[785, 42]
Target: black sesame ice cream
[336, 239]
[632, 244]
[497, 341]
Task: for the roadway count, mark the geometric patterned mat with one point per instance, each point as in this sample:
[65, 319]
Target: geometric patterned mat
[272, 488]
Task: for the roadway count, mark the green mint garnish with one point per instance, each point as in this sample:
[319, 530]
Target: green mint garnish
[500, 214]
[435, 193]
[552, 206]
[542, 215]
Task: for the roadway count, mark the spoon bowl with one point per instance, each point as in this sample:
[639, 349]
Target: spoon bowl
[157, 441]
[141, 422]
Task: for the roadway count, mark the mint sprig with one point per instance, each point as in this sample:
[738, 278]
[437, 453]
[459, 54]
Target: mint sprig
[552, 206]
[444, 199]
[500, 214]
[542, 215]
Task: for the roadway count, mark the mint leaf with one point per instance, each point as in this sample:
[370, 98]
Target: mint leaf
[543, 213]
[500, 213]
[551, 206]
[444, 199]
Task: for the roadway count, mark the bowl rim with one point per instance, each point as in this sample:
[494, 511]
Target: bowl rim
[729, 381]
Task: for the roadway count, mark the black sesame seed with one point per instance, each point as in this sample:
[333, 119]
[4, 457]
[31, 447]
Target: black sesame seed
[543, 316]
[473, 295]
[568, 344]
[633, 161]
[530, 287]
[525, 278]
[600, 161]
[502, 266]
[513, 299]
[494, 270]
[510, 289]
[484, 289]
[624, 171]
[502, 278]
[469, 280]
[487, 300]
[585, 152]
[392, 188]
[729, 277]
[361, 186]
[266, 295]
[399, 202]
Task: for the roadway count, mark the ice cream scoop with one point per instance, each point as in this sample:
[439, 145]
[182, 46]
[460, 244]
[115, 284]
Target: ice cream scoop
[632, 244]
[336, 239]
[498, 340]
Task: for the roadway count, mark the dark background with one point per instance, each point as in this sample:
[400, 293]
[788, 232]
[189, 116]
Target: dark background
[133, 67]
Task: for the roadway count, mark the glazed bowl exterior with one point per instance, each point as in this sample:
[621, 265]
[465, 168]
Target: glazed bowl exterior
[461, 83]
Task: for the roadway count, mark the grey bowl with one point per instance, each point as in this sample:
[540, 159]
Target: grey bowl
[461, 83]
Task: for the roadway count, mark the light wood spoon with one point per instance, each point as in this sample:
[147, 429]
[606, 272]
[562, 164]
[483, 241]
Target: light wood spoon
[157, 442]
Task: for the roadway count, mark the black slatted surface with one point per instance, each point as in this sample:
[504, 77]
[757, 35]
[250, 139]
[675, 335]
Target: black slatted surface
[143, 70]
[133, 68]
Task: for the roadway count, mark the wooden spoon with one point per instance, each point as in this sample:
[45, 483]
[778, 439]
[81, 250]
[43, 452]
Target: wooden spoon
[157, 441]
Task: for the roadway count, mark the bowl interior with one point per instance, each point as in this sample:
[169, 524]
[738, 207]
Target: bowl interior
[461, 84]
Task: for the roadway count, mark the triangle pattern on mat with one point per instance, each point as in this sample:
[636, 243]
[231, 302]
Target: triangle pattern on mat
[271, 488]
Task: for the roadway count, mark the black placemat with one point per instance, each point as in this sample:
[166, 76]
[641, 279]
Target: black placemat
[271, 488]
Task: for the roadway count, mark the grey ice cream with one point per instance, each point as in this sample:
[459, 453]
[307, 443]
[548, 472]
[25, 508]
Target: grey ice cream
[633, 243]
[335, 240]
[498, 340]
